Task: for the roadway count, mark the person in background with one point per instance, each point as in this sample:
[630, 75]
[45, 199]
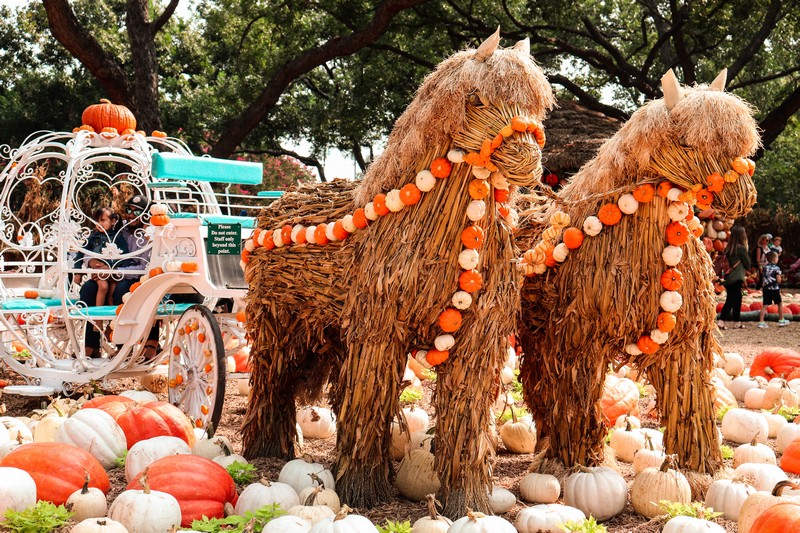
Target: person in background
[104, 220]
[771, 291]
[762, 249]
[775, 245]
[739, 261]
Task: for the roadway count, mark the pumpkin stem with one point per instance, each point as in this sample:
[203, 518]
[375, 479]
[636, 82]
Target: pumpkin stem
[648, 440]
[143, 481]
[431, 503]
[210, 430]
[312, 497]
[474, 515]
[105, 101]
[86, 479]
[226, 451]
[585, 469]
[316, 478]
[19, 437]
[264, 481]
[513, 414]
[754, 442]
[628, 424]
[54, 405]
[780, 485]
[228, 509]
[667, 463]
[343, 512]
[101, 521]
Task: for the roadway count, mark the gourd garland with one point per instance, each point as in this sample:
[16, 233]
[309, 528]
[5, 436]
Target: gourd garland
[486, 179]
[549, 251]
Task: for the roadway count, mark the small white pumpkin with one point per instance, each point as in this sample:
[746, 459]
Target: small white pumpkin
[690, 524]
[754, 452]
[311, 236]
[46, 429]
[625, 420]
[343, 522]
[674, 194]
[648, 456]
[287, 524]
[761, 476]
[461, 300]
[740, 385]
[518, 435]
[323, 497]
[499, 181]
[87, 502]
[592, 226]
[296, 474]
[265, 492]
[754, 398]
[506, 375]
[329, 232]
[99, 525]
[210, 448]
[787, 434]
[227, 460]
[370, 213]
[600, 492]
[297, 229]
[547, 518]
[626, 442]
[348, 224]
[173, 266]
[742, 426]
[671, 255]
[455, 155]
[434, 522]
[658, 336]
[393, 201]
[476, 210]
[501, 499]
[655, 484]
[425, 182]
[481, 173]
[480, 523]
[416, 419]
[141, 396]
[17, 490]
[277, 238]
[694, 223]
[670, 301]
[539, 488]
[309, 511]
[560, 252]
[677, 211]
[316, 422]
[468, 259]
[733, 363]
[628, 204]
[142, 511]
[727, 496]
[444, 342]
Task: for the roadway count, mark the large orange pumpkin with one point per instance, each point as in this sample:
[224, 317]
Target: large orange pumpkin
[201, 486]
[781, 518]
[57, 468]
[775, 362]
[620, 397]
[790, 460]
[152, 419]
[108, 115]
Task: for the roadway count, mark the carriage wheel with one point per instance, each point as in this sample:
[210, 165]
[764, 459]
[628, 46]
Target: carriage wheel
[197, 368]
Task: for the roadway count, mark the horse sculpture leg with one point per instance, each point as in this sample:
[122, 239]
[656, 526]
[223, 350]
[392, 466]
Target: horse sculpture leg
[681, 380]
[367, 397]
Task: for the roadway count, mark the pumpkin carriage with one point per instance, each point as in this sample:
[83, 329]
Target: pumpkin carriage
[185, 262]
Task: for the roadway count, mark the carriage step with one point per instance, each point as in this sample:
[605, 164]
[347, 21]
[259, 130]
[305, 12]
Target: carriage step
[29, 390]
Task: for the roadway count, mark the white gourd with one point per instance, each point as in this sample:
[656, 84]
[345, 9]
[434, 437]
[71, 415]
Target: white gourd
[17, 490]
[726, 496]
[96, 432]
[99, 525]
[539, 488]
[87, 502]
[296, 474]
[655, 484]
[480, 523]
[145, 452]
[264, 492]
[547, 518]
[600, 492]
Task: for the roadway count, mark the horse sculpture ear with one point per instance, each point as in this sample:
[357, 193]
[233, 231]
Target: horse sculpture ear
[719, 82]
[488, 46]
[524, 46]
[671, 89]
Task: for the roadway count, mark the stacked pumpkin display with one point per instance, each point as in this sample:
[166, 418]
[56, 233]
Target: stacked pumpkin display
[716, 229]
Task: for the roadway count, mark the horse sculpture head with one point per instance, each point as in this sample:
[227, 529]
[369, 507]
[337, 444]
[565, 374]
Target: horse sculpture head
[696, 138]
[467, 100]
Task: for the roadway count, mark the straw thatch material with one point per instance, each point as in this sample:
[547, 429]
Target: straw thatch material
[350, 312]
[576, 319]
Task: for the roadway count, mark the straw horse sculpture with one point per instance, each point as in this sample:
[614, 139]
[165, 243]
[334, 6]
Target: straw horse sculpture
[349, 312]
[603, 305]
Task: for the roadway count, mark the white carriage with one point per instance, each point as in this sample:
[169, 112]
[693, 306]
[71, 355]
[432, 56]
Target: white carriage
[191, 284]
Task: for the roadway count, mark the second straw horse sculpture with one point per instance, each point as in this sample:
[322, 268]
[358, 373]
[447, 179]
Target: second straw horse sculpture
[350, 311]
[617, 296]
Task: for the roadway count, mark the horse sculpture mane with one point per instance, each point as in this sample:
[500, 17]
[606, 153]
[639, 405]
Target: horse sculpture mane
[603, 302]
[349, 312]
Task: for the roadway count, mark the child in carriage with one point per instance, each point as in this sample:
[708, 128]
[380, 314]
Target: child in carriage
[104, 220]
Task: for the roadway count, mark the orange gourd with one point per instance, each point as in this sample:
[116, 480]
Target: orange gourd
[573, 238]
[109, 129]
[472, 237]
[189, 267]
[135, 285]
[739, 165]
[241, 315]
[731, 176]
[663, 188]
[246, 255]
[644, 193]
[666, 322]
[410, 194]
[31, 294]
[715, 182]
[704, 198]
[478, 189]
[781, 518]
[751, 166]
[360, 219]
[379, 203]
[300, 238]
[319, 234]
[497, 141]
[105, 114]
[609, 214]
[155, 272]
[647, 345]
[441, 167]
[339, 232]
[435, 357]
[470, 281]
[672, 279]
[678, 233]
[519, 124]
[286, 234]
[504, 210]
[501, 195]
[269, 242]
[450, 320]
[159, 134]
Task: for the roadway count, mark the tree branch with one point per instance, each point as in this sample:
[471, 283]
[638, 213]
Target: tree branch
[587, 99]
[306, 61]
[770, 77]
[684, 57]
[756, 40]
[278, 152]
[775, 122]
[165, 16]
[66, 29]
[402, 53]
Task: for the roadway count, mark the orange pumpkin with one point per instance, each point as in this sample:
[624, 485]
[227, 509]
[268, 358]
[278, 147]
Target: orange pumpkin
[31, 294]
[155, 272]
[188, 267]
[666, 322]
[379, 203]
[751, 166]
[678, 233]
[731, 176]
[780, 518]
[620, 397]
[486, 148]
[246, 255]
[135, 285]
[644, 193]
[300, 238]
[286, 234]
[105, 114]
[435, 357]
[159, 134]
[338, 230]
[541, 138]
[497, 141]
[519, 124]
[704, 198]
[470, 281]
[501, 195]
[549, 260]
[450, 320]
[672, 279]
[319, 233]
[739, 165]
[663, 188]
[241, 315]
[269, 242]
[360, 220]
[609, 214]
[472, 237]
[647, 345]
[715, 182]
[410, 194]
[573, 238]
[478, 189]
[504, 210]
[775, 363]
[441, 167]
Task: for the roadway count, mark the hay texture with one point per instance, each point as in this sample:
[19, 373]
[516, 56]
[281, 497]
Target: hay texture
[349, 312]
[579, 317]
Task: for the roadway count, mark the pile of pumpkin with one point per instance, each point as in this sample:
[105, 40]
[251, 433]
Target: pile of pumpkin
[716, 229]
[751, 306]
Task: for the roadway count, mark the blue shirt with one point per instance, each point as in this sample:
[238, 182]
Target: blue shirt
[770, 277]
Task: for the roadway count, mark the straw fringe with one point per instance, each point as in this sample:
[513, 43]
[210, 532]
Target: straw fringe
[576, 319]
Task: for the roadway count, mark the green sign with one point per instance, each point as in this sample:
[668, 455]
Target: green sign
[224, 239]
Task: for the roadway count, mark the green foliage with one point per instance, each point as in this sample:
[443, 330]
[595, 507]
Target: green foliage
[694, 509]
[722, 411]
[644, 392]
[410, 396]
[241, 472]
[395, 527]
[789, 413]
[516, 387]
[41, 518]
[119, 462]
[727, 451]
[587, 525]
[608, 436]
[251, 521]
[506, 416]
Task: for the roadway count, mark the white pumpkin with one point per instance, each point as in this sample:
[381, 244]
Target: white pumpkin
[434, 522]
[690, 524]
[480, 523]
[600, 492]
[742, 426]
[425, 181]
[694, 223]
[673, 195]
[677, 211]
[416, 419]
[760, 501]
[592, 226]
[16, 430]
[652, 485]
[624, 420]
[670, 301]
[648, 457]
[501, 499]
[658, 336]
[628, 204]
[481, 173]
[518, 434]
[393, 201]
[227, 460]
[754, 398]
[277, 238]
[626, 442]
[159, 209]
[468, 259]
[323, 497]
[329, 231]
[87, 502]
[96, 432]
[146, 511]
[311, 236]
[210, 448]
[778, 393]
[299, 228]
[243, 387]
[348, 224]
[45, 430]
[672, 255]
[17, 490]
[733, 363]
[343, 522]
[774, 422]
[141, 396]
[740, 385]
[146, 452]
[560, 252]
[309, 511]
[99, 525]
[461, 300]
[265, 492]
[727, 496]
[506, 375]
[656, 437]
[287, 524]
[316, 422]
[455, 155]
[761, 476]
[416, 475]
[754, 452]
[787, 434]
[296, 474]
[539, 488]
[444, 342]
[476, 210]
[499, 181]
[547, 518]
